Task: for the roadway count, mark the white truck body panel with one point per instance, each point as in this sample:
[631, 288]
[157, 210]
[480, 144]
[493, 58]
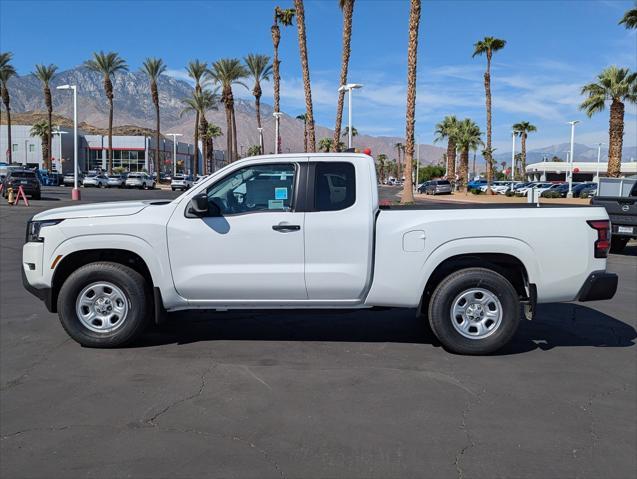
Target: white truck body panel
[360, 256]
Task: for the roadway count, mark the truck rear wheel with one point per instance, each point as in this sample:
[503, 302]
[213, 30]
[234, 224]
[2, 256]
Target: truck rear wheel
[474, 311]
[104, 305]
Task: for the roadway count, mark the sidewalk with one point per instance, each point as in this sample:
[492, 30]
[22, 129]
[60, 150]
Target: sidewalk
[471, 198]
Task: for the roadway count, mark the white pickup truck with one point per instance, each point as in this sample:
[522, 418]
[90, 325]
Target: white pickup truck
[306, 231]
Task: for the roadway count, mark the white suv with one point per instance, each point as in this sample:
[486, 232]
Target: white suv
[181, 182]
[140, 180]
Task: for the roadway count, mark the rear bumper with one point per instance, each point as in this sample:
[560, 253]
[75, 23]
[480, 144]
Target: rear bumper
[598, 286]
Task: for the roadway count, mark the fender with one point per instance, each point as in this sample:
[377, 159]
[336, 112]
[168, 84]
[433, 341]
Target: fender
[156, 261]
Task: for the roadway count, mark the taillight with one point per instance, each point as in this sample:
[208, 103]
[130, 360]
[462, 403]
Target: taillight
[602, 244]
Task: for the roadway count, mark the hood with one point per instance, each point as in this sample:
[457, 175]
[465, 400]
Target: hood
[94, 210]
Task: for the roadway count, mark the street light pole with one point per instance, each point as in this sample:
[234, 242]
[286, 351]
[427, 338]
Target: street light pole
[599, 157]
[277, 115]
[175, 135]
[570, 176]
[75, 194]
[260, 129]
[513, 156]
[348, 88]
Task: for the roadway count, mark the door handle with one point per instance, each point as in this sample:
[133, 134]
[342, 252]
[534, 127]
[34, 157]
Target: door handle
[285, 228]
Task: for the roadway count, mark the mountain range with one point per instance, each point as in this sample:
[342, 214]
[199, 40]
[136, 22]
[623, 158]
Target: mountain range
[133, 106]
[580, 152]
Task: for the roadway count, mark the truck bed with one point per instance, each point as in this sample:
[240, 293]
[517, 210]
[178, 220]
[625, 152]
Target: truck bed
[448, 205]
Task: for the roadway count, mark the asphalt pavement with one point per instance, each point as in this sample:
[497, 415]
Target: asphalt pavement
[314, 394]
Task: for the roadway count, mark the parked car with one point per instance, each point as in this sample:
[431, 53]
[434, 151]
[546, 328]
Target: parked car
[69, 179]
[538, 185]
[619, 197]
[556, 190]
[253, 237]
[140, 180]
[589, 191]
[476, 184]
[437, 187]
[577, 188]
[116, 181]
[97, 180]
[181, 182]
[27, 179]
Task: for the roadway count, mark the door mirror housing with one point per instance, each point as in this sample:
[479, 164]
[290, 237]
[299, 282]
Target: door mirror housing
[200, 206]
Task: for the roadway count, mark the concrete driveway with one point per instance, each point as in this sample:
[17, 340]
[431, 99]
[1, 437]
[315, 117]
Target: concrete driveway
[288, 394]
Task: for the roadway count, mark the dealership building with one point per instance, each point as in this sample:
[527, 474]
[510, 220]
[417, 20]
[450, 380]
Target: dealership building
[582, 170]
[131, 152]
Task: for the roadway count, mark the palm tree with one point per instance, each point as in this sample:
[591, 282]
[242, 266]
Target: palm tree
[214, 131]
[41, 129]
[302, 117]
[381, 164]
[210, 102]
[617, 85]
[522, 129]
[630, 18]
[346, 132]
[412, 59]
[487, 46]
[107, 64]
[309, 114]
[6, 72]
[260, 69]
[447, 128]
[325, 144]
[45, 74]
[197, 71]
[469, 137]
[199, 102]
[285, 17]
[153, 68]
[399, 148]
[226, 72]
[347, 7]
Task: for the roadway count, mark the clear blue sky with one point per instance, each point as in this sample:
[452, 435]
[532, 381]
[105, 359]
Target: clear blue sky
[553, 47]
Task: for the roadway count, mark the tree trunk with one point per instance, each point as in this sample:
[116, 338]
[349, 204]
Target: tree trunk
[49, 108]
[257, 105]
[412, 59]
[157, 139]
[203, 132]
[276, 38]
[523, 151]
[110, 137]
[195, 162]
[309, 115]
[451, 160]
[7, 107]
[489, 152]
[229, 135]
[234, 134]
[616, 138]
[464, 169]
[305, 137]
[348, 10]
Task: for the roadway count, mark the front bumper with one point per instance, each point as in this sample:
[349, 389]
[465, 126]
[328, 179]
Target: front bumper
[598, 286]
[44, 294]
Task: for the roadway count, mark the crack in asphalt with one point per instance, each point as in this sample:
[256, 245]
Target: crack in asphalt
[45, 355]
[471, 443]
[151, 420]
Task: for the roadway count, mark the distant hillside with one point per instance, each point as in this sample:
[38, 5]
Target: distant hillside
[581, 153]
[133, 106]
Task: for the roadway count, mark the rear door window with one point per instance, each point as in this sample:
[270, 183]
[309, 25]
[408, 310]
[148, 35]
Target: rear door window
[334, 186]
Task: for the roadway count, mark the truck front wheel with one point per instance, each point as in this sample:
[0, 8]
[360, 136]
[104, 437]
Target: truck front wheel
[474, 311]
[104, 305]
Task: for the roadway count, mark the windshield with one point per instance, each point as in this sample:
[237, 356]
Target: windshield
[134, 175]
[22, 174]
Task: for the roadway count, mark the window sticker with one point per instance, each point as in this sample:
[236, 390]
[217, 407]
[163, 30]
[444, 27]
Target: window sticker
[275, 204]
[280, 193]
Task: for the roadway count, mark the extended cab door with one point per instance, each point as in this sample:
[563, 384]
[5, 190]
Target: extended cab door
[339, 228]
[254, 249]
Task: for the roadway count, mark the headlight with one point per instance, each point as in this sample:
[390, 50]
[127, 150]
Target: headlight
[34, 227]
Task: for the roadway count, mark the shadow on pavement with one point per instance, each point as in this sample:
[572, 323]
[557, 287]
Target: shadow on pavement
[556, 325]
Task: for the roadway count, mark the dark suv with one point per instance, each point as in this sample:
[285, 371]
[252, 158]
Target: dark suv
[27, 179]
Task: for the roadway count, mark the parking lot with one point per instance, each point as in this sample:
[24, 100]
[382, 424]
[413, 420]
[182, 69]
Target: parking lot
[311, 394]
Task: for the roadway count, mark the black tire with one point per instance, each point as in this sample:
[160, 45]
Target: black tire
[36, 196]
[133, 286]
[617, 244]
[440, 317]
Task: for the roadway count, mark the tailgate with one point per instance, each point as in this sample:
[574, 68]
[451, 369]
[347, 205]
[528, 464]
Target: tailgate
[620, 210]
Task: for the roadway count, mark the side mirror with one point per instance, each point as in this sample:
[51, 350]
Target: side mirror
[199, 204]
